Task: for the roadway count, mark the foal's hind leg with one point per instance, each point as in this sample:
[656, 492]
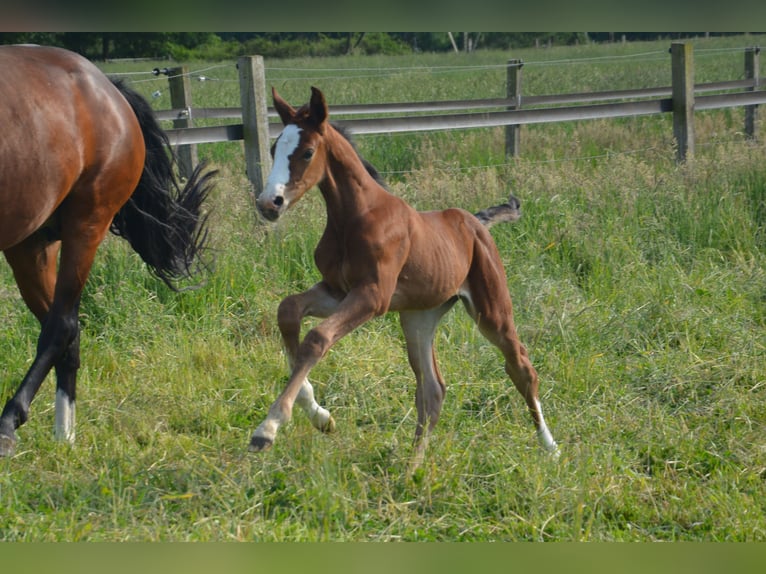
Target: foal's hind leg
[494, 317]
[419, 328]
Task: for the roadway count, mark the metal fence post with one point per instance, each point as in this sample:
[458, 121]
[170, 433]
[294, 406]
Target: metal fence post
[683, 98]
[255, 119]
[513, 90]
[752, 72]
[181, 99]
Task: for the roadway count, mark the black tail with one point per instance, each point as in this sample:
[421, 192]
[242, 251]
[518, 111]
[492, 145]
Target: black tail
[509, 211]
[162, 221]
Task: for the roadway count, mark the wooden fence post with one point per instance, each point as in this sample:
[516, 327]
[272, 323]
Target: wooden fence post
[752, 72]
[683, 98]
[181, 99]
[513, 90]
[255, 119]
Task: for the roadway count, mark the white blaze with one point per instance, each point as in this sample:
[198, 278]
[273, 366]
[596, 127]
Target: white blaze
[280, 171]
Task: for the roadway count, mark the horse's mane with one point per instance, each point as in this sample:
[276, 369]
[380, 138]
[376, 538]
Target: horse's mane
[367, 165]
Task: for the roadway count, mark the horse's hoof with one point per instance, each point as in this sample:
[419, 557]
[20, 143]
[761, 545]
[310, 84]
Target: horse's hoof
[259, 444]
[7, 445]
[329, 426]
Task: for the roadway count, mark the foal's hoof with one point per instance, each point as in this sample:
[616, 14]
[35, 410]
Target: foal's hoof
[328, 427]
[7, 445]
[259, 444]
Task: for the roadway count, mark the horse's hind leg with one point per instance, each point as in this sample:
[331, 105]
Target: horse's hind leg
[33, 263]
[66, 384]
[34, 266]
[419, 328]
[524, 377]
[489, 304]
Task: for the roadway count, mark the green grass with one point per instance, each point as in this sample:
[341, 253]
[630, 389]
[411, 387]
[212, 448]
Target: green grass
[639, 289]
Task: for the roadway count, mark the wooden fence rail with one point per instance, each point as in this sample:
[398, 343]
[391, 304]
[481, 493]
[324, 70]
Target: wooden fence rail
[681, 99]
[477, 104]
[474, 104]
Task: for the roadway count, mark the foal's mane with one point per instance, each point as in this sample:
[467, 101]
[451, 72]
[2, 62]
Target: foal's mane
[508, 211]
[367, 165]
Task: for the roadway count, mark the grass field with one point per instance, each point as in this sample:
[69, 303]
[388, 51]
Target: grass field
[639, 288]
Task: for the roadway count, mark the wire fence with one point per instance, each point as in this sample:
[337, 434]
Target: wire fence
[226, 72]
[337, 73]
[612, 58]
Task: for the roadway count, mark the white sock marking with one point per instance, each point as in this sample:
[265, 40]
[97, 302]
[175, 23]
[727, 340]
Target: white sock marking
[318, 415]
[544, 434]
[65, 417]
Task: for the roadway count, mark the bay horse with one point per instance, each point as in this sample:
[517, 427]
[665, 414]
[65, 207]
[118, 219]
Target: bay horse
[378, 254]
[81, 155]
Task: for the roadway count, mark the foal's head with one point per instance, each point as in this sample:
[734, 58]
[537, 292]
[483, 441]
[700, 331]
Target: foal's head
[298, 153]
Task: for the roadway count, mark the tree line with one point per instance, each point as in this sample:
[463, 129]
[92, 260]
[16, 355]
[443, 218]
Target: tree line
[226, 45]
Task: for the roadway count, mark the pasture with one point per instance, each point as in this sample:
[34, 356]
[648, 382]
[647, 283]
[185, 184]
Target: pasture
[639, 289]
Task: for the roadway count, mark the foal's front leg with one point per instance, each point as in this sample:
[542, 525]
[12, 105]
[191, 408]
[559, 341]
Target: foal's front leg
[342, 317]
[316, 302]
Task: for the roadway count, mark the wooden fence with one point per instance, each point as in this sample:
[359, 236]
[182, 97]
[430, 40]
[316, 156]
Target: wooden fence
[681, 99]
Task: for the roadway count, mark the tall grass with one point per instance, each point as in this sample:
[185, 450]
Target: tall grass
[639, 288]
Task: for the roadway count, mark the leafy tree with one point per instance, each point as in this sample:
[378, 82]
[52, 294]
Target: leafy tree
[225, 45]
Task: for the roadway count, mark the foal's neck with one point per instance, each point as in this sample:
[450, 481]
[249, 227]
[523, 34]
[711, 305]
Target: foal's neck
[348, 188]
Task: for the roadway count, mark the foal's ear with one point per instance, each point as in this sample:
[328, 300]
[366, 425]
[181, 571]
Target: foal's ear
[318, 107]
[286, 111]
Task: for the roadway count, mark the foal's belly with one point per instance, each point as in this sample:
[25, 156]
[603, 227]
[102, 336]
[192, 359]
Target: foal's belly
[410, 300]
[439, 260]
[426, 287]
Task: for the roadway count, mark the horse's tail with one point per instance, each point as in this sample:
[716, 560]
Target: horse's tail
[509, 211]
[163, 222]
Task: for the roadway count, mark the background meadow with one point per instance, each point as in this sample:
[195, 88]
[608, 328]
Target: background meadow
[639, 288]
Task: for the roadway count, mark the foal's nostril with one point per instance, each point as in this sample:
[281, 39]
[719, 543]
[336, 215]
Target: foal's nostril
[279, 200]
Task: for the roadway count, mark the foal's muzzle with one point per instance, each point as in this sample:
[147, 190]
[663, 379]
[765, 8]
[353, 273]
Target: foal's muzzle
[270, 208]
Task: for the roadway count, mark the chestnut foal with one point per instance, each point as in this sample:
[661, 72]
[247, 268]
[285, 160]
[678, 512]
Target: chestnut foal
[378, 254]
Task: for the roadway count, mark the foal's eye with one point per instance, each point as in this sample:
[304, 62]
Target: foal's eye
[308, 154]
